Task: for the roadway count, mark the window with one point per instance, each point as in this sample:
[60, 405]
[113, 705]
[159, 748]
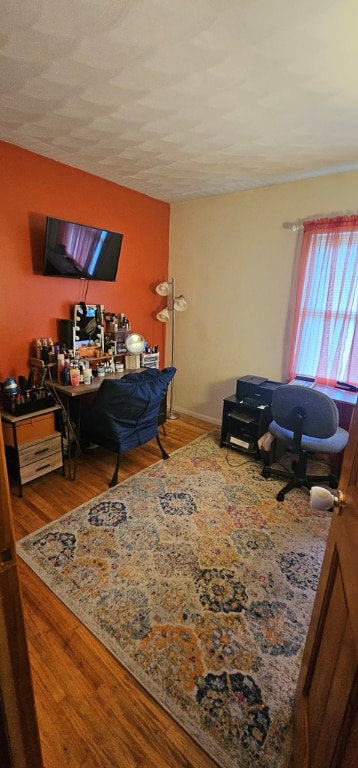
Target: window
[325, 330]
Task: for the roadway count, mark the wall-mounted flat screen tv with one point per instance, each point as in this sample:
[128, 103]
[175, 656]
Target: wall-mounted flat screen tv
[81, 251]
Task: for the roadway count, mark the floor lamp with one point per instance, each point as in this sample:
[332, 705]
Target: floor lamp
[175, 304]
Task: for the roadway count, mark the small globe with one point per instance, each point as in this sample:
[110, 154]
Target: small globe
[10, 386]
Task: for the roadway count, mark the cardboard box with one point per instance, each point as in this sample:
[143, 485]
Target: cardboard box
[132, 362]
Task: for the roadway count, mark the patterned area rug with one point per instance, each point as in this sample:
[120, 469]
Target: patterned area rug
[201, 584]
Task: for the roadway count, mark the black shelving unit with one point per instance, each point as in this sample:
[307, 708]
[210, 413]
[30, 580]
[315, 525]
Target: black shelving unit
[247, 414]
[243, 424]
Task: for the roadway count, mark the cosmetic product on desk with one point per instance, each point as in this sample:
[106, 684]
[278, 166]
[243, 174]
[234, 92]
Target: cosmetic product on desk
[87, 375]
[75, 375]
[65, 375]
[60, 365]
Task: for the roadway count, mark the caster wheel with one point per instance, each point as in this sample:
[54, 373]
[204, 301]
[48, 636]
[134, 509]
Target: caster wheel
[265, 472]
[280, 496]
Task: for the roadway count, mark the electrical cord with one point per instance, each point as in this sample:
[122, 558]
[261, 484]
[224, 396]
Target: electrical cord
[71, 432]
[241, 464]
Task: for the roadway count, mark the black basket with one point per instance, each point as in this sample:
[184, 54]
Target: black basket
[35, 399]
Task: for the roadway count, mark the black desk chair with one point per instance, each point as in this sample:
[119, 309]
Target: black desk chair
[124, 413]
[307, 422]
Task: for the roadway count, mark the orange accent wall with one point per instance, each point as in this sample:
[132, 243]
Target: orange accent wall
[34, 187]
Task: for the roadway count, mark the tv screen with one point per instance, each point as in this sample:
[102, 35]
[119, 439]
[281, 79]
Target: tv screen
[80, 251]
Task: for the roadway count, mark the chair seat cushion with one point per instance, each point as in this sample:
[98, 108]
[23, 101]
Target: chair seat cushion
[124, 412]
[333, 444]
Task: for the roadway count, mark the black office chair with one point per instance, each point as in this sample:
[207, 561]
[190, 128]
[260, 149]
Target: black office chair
[306, 420]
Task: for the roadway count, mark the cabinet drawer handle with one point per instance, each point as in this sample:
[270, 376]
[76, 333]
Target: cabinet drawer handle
[44, 450]
[39, 469]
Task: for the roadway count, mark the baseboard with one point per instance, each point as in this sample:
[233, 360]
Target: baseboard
[202, 416]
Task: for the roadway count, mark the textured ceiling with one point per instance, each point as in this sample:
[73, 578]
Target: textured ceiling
[183, 98]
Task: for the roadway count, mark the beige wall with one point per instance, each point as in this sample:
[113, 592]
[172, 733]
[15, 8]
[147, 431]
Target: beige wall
[235, 262]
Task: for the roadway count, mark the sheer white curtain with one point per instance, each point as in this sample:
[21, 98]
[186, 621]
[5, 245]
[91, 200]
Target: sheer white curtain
[325, 329]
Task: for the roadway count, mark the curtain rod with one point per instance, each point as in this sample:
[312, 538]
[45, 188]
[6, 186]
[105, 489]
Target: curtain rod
[294, 227]
[297, 226]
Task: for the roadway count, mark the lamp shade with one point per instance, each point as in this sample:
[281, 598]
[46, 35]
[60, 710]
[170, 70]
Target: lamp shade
[162, 289]
[321, 498]
[163, 315]
[180, 304]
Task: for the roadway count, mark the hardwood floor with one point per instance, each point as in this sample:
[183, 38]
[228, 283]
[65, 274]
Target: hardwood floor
[91, 712]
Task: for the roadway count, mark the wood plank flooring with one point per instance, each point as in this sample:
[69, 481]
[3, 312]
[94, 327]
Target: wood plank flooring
[91, 712]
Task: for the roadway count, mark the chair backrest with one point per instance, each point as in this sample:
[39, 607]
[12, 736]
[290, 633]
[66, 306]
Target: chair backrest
[319, 412]
[125, 411]
[136, 396]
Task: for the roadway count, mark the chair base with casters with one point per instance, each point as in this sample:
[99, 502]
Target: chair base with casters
[125, 413]
[298, 478]
[306, 421]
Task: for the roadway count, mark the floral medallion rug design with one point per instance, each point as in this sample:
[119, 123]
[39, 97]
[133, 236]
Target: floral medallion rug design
[202, 585]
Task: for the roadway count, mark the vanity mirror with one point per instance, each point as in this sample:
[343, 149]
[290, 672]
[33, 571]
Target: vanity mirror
[88, 333]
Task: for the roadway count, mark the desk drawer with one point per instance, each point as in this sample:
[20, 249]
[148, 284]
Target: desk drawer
[38, 450]
[41, 467]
